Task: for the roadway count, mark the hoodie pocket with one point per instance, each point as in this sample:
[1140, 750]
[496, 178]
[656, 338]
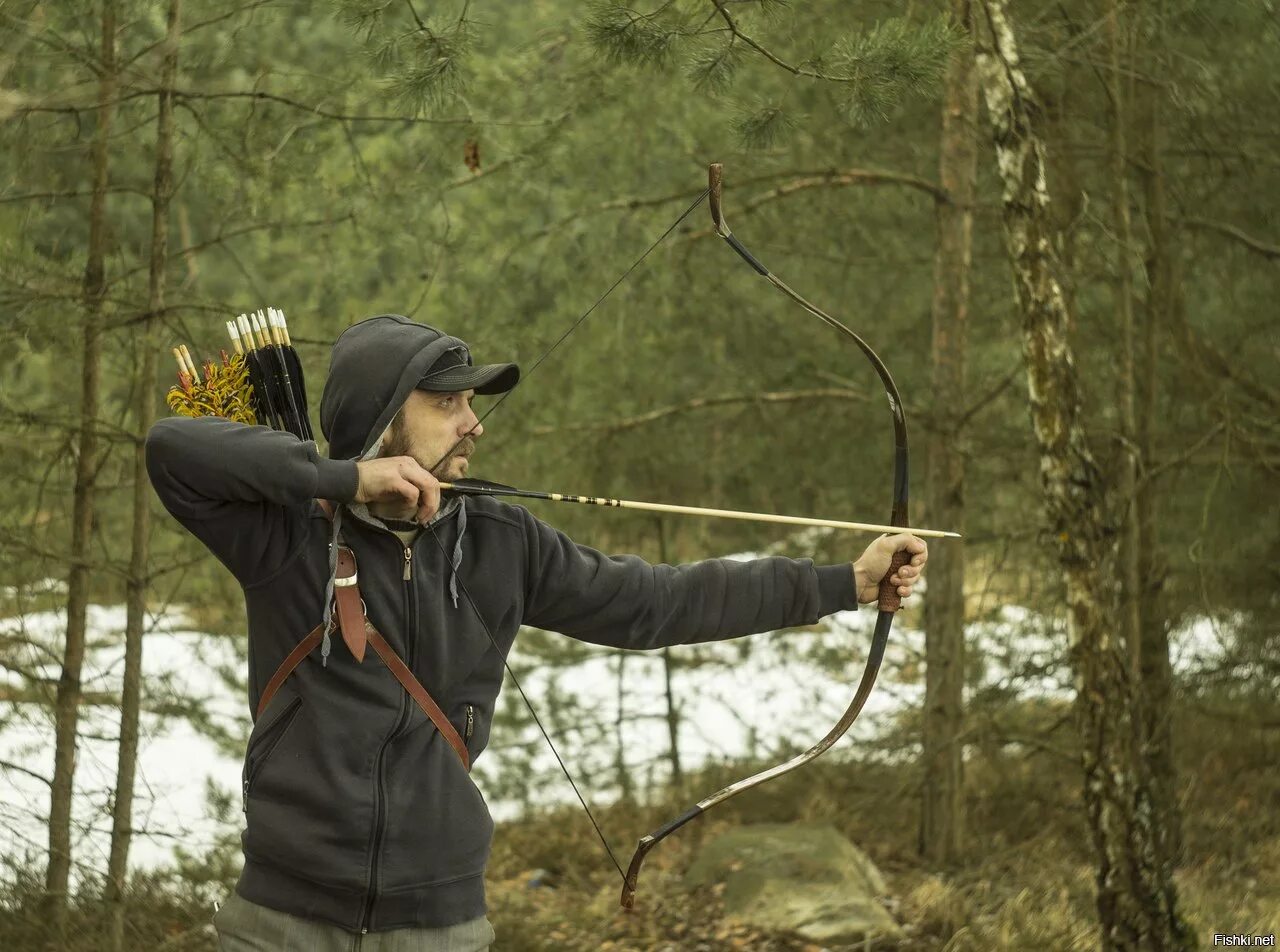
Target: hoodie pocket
[472, 726]
[266, 737]
[438, 827]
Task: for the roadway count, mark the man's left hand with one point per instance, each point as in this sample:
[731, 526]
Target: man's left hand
[874, 562]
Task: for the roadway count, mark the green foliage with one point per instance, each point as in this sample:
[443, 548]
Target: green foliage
[423, 59]
[625, 35]
[762, 125]
[363, 16]
[895, 59]
[659, 394]
[711, 67]
[874, 71]
[430, 73]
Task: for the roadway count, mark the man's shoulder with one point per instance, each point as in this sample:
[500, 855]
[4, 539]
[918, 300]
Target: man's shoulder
[493, 509]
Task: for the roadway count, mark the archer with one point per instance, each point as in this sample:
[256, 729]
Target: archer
[360, 813]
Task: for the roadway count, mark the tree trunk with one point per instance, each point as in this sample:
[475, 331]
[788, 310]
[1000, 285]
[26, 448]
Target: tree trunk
[136, 597]
[673, 712]
[1157, 675]
[673, 723]
[626, 789]
[1136, 898]
[1127, 469]
[942, 810]
[67, 702]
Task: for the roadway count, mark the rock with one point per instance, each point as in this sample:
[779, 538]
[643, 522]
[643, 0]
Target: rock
[801, 878]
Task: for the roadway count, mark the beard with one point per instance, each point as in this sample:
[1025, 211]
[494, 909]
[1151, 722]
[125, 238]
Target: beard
[398, 443]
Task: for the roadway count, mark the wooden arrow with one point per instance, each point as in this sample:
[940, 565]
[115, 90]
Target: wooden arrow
[477, 487]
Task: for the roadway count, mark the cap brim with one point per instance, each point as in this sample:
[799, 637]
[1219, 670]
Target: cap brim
[486, 379]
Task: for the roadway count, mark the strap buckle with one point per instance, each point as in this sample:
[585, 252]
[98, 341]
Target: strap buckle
[352, 578]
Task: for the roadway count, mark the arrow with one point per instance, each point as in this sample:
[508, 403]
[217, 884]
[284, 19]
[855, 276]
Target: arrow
[478, 487]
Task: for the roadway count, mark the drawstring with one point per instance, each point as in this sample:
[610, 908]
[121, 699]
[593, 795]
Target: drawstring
[455, 562]
[328, 588]
[457, 552]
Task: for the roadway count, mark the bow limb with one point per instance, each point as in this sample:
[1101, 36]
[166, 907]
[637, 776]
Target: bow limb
[889, 599]
[462, 585]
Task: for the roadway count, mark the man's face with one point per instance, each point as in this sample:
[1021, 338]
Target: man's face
[429, 426]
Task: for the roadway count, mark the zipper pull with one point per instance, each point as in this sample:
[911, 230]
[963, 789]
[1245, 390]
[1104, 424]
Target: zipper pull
[471, 721]
[408, 561]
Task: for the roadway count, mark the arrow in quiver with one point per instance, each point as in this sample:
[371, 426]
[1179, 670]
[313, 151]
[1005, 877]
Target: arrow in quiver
[261, 383]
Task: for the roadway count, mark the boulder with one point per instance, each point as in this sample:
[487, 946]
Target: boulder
[800, 878]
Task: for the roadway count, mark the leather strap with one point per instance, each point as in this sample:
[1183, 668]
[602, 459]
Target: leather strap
[346, 593]
[357, 631]
[419, 694]
[291, 661]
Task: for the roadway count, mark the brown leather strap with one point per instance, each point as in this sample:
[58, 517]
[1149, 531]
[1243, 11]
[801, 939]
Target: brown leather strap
[419, 694]
[357, 630]
[346, 592]
[294, 658]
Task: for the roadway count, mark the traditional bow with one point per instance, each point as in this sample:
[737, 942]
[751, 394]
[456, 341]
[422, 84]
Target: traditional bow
[888, 600]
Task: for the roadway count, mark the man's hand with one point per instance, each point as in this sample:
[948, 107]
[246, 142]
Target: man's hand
[399, 479]
[870, 568]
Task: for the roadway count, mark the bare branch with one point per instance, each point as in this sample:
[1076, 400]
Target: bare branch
[701, 403]
[1270, 252]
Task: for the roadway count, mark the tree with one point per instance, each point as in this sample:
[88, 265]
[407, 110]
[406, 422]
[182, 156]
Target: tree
[942, 807]
[139, 582]
[67, 704]
[1137, 900]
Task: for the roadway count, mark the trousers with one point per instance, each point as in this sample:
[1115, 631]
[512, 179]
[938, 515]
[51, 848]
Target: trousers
[244, 926]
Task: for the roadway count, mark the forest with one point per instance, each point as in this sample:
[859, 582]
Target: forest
[1002, 268]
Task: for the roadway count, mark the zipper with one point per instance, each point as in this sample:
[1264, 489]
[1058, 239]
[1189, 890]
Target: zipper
[378, 804]
[276, 731]
[471, 722]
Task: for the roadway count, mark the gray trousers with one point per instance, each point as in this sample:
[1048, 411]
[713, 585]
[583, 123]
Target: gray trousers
[244, 926]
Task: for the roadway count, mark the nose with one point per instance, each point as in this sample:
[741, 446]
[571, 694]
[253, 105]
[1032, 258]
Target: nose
[471, 424]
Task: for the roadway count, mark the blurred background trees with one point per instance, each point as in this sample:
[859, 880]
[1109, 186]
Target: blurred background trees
[491, 169]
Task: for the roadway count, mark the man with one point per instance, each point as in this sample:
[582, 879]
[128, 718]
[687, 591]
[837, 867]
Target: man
[360, 816]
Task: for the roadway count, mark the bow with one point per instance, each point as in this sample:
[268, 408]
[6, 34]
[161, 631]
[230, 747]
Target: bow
[889, 599]
[888, 596]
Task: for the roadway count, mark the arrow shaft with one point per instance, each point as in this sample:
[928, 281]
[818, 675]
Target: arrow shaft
[702, 511]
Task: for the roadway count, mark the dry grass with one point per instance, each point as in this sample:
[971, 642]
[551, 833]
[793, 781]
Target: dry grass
[1027, 883]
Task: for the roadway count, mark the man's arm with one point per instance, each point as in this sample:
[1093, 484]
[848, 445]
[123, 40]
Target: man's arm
[240, 489]
[624, 602]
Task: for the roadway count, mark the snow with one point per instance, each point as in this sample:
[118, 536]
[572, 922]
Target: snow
[767, 696]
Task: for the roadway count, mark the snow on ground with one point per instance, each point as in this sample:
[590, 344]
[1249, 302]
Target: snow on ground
[179, 664]
[766, 696]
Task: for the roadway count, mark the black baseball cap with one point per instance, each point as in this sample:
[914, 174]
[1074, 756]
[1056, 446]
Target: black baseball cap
[454, 372]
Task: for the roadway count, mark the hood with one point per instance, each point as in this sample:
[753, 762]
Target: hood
[374, 366]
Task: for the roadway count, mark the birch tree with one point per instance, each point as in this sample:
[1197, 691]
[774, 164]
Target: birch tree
[1136, 898]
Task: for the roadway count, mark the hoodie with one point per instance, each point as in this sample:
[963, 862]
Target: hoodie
[357, 810]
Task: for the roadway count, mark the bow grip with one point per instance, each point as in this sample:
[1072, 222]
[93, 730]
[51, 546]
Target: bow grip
[890, 600]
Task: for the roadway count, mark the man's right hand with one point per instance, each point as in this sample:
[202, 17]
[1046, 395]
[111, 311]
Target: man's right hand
[399, 480]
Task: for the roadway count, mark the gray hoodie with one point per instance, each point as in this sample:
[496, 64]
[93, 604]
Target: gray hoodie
[357, 811]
